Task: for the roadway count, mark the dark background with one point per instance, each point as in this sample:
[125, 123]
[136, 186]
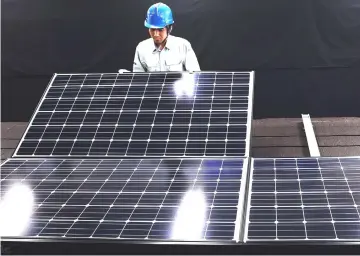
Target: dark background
[306, 53]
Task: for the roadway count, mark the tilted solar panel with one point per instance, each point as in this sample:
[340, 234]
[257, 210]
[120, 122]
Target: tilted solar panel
[142, 114]
[304, 199]
[155, 199]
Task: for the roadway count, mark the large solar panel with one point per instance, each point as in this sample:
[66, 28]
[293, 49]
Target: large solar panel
[142, 114]
[154, 199]
[304, 199]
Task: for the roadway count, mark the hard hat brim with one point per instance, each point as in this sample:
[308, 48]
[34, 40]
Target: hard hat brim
[151, 26]
[148, 25]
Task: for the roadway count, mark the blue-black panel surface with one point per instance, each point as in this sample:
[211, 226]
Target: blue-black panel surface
[304, 199]
[142, 114]
[180, 199]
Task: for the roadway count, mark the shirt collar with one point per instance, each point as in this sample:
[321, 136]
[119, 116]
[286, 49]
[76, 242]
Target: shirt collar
[169, 43]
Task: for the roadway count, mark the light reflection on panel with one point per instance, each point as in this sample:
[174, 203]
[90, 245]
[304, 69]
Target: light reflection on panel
[190, 218]
[16, 208]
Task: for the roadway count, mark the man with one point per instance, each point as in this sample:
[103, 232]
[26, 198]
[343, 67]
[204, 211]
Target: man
[163, 52]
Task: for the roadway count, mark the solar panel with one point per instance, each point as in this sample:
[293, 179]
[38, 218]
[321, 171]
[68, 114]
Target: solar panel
[202, 114]
[304, 199]
[154, 199]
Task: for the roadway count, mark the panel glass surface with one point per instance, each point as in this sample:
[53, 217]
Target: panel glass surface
[156, 114]
[180, 199]
[304, 199]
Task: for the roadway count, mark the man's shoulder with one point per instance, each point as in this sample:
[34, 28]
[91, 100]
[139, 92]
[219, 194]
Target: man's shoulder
[145, 44]
[180, 40]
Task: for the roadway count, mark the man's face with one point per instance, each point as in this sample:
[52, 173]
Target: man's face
[158, 35]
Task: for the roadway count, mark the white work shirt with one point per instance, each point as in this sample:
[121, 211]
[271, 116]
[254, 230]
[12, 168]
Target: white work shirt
[177, 55]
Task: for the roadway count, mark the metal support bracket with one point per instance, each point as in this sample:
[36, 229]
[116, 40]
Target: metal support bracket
[310, 136]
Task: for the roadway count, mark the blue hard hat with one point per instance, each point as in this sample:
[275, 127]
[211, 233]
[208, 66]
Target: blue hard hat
[159, 16]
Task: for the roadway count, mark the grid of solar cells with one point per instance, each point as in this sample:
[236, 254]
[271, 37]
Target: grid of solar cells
[186, 199]
[156, 114]
[304, 199]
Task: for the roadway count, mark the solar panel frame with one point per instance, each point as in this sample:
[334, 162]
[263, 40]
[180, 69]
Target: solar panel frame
[239, 212]
[307, 240]
[33, 116]
[249, 114]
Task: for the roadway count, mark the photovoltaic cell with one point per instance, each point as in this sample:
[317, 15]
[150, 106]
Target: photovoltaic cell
[140, 115]
[304, 199]
[155, 199]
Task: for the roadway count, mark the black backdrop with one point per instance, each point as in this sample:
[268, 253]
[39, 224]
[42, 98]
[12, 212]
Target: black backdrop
[306, 54]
